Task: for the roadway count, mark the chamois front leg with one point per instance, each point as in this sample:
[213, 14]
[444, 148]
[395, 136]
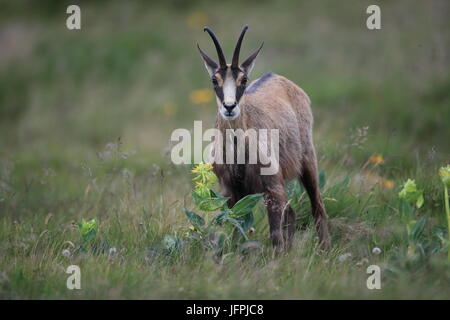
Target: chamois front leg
[231, 194]
[226, 185]
[281, 217]
[234, 197]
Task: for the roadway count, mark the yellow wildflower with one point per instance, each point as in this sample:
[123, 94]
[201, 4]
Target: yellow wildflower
[388, 184]
[376, 159]
[202, 168]
[201, 96]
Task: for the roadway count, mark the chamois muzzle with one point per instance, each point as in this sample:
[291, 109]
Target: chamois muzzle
[229, 107]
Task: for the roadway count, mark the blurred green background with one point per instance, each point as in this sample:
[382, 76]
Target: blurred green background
[131, 70]
[80, 108]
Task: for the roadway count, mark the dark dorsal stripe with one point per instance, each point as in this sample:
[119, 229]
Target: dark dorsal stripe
[257, 84]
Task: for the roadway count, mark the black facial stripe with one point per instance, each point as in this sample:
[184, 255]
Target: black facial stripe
[239, 89]
[219, 89]
[239, 92]
[219, 93]
[235, 72]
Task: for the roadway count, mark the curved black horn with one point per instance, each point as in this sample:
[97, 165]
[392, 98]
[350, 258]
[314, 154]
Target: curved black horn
[237, 49]
[222, 61]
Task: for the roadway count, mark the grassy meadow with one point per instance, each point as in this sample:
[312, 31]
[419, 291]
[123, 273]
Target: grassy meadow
[85, 124]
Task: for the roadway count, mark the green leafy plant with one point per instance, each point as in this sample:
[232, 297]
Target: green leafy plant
[420, 241]
[411, 194]
[172, 243]
[444, 174]
[411, 198]
[88, 229]
[238, 218]
[90, 241]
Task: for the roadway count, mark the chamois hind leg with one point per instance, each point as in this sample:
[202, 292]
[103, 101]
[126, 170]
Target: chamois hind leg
[310, 181]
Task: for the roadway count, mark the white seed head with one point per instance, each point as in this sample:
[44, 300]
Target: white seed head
[344, 256]
[376, 250]
[66, 253]
[112, 251]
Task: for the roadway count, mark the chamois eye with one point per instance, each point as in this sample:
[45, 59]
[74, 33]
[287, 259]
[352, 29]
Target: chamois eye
[214, 81]
[244, 80]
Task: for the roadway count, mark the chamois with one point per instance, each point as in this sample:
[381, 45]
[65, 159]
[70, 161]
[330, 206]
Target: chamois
[270, 102]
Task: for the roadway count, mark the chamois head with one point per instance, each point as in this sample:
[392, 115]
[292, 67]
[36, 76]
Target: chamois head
[229, 80]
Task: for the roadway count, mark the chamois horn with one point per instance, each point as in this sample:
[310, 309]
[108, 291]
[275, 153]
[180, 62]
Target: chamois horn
[237, 49]
[222, 61]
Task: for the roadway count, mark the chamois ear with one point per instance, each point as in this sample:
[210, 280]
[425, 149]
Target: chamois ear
[248, 64]
[210, 64]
